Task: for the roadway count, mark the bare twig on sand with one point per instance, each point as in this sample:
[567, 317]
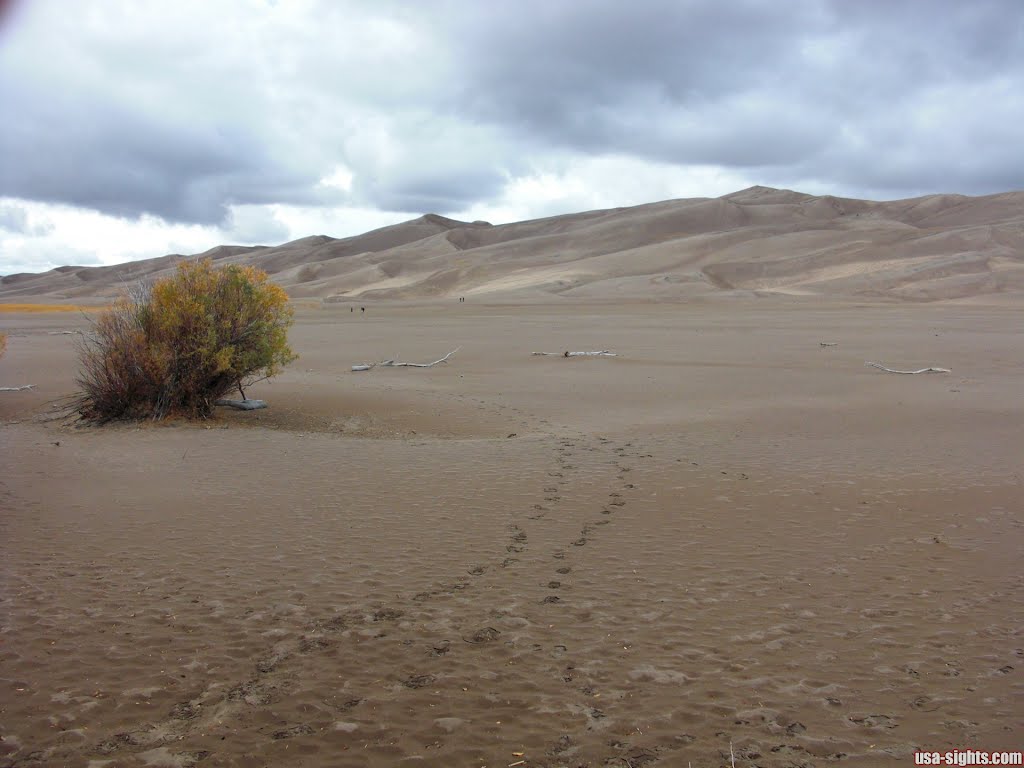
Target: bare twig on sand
[17, 389]
[396, 364]
[243, 405]
[919, 370]
[599, 353]
[828, 343]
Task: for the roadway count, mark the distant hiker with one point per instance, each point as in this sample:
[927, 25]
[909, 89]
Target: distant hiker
[351, 309]
[363, 310]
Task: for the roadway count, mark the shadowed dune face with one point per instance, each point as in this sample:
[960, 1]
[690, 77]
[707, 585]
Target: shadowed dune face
[932, 248]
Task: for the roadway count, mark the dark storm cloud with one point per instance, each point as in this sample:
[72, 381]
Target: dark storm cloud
[563, 70]
[429, 189]
[96, 153]
[436, 105]
[897, 96]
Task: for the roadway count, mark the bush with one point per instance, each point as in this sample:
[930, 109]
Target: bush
[3, 344]
[179, 345]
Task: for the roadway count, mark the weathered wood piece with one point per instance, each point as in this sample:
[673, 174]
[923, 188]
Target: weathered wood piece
[919, 370]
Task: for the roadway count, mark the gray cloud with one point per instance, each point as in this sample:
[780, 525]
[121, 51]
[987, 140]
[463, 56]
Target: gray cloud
[436, 105]
[850, 93]
[438, 192]
[544, 66]
[108, 156]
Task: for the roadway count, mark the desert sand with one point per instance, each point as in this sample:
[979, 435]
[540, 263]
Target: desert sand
[729, 537]
[731, 542]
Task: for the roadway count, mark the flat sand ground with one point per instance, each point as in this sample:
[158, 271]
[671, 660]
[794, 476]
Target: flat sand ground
[730, 534]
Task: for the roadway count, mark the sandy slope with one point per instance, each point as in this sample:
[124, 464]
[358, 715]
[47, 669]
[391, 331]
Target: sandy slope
[729, 534]
[761, 240]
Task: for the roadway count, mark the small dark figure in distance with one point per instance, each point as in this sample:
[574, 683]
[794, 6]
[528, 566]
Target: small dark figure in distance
[362, 309]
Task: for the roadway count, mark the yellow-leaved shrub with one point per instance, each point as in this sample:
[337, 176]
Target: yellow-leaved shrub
[187, 340]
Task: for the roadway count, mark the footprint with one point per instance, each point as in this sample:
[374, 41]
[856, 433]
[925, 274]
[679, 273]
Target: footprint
[874, 721]
[311, 644]
[484, 635]
[418, 681]
[345, 706]
[186, 710]
[290, 733]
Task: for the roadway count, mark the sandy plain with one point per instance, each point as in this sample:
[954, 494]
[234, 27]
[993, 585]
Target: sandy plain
[730, 537]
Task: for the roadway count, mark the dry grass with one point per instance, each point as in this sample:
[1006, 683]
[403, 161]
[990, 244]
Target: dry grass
[304, 304]
[51, 308]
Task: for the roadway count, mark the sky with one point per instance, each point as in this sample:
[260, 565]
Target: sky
[136, 128]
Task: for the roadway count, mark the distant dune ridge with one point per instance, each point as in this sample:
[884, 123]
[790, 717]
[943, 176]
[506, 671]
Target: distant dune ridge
[758, 241]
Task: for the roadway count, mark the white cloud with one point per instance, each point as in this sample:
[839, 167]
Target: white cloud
[581, 183]
[255, 224]
[16, 219]
[87, 238]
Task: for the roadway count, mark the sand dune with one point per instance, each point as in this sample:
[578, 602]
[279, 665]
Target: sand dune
[762, 240]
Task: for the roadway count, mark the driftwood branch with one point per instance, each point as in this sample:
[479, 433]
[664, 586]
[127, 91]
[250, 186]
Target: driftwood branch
[599, 353]
[17, 389]
[827, 343]
[244, 405]
[919, 370]
[396, 364]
